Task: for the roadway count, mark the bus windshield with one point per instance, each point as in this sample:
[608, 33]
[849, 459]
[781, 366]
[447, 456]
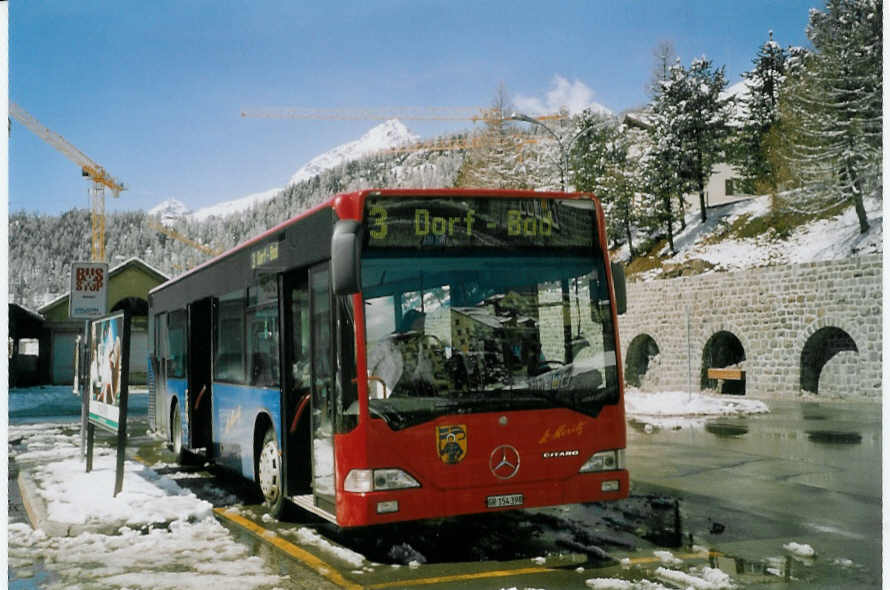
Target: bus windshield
[486, 332]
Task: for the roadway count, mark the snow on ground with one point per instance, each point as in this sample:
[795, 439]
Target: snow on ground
[705, 578]
[799, 549]
[675, 409]
[307, 536]
[73, 496]
[826, 239]
[165, 537]
[187, 555]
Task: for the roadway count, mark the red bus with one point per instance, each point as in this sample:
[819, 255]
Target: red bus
[394, 355]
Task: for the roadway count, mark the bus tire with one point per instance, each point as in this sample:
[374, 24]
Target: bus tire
[269, 475]
[183, 456]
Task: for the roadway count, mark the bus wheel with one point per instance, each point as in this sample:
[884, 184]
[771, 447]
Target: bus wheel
[269, 475]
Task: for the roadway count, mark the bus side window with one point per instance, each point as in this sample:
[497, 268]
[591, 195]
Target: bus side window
[229, 365]
[298, 359]
[176, 331]
[262, 343]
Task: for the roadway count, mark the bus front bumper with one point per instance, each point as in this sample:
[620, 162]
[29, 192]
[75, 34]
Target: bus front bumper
[369, 508]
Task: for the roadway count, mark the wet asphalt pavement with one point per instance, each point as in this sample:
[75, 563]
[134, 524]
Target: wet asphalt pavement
[808, 472]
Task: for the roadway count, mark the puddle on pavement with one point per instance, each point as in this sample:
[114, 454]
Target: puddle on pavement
[591, 530]
[729, 428]
[839, 437]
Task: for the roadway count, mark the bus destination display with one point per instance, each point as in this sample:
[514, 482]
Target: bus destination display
[459, 223]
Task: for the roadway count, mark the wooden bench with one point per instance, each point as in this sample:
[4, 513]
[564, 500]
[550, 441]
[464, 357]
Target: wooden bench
[727, 374]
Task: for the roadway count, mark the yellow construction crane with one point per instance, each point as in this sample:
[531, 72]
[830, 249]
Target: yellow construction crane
[178, 236]
[100, 177]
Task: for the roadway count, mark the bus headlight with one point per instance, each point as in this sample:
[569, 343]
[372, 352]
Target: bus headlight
[373, 480]
[604, 461]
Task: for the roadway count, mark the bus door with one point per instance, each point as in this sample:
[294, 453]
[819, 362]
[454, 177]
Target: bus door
[162, 403]
[323, 407]
[296, 383]
[200, 344]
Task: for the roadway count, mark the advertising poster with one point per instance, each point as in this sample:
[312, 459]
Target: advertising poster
[89, 290]
[108, 358]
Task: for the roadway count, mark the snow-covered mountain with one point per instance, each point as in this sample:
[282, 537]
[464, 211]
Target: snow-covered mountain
[227, 208]
[170, 210]
[387, 135]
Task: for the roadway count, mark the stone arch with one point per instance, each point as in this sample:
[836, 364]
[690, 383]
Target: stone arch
[722, 349]
[821, 346]
[641, 350]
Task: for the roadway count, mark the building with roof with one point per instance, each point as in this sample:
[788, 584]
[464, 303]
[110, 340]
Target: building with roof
[128, 287]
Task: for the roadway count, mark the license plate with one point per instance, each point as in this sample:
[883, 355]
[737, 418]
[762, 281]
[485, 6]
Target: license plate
[505, 500]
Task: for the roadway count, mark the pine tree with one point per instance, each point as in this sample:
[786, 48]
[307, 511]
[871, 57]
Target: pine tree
[702, 123]
[833, 107]
[665, 163]
[601, 164]
[760, 114]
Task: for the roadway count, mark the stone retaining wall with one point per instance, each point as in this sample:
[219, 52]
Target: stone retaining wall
[814, 326]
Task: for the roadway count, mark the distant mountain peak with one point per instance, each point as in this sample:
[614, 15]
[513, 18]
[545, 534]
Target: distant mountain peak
[387, 135]
[170, 211]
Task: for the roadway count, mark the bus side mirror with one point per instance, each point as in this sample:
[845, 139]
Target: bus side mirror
[346, 253]
[620, 284]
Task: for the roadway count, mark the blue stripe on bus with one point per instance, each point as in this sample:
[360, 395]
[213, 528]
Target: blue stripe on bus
[235, 412]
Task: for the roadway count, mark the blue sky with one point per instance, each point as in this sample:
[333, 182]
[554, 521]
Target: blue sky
[153, 91]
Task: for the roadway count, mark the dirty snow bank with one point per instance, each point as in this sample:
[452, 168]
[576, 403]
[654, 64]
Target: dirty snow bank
[799, 549]
[170, 541]
[706, 578]
[188, 555]
[676, 409]
[75, 497]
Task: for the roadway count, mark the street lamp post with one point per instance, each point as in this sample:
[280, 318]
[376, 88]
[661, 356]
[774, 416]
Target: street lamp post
[563, 148]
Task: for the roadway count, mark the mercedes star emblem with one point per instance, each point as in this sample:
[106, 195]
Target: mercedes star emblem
[504, 462]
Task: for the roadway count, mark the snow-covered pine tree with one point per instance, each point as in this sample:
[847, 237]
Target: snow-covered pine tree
[601, 163]
[760, 111]
[702, 122]
[664, 160]
[833, 107]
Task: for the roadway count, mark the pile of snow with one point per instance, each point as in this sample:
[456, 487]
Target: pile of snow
[799, 549]
[186, 555]
[706, 578]
[676, 409]
[73, 496]
[307, 536]
[667, 558]
[388, 135]
[166, 537]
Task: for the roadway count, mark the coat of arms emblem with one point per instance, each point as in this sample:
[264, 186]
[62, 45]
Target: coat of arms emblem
[451, 443]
